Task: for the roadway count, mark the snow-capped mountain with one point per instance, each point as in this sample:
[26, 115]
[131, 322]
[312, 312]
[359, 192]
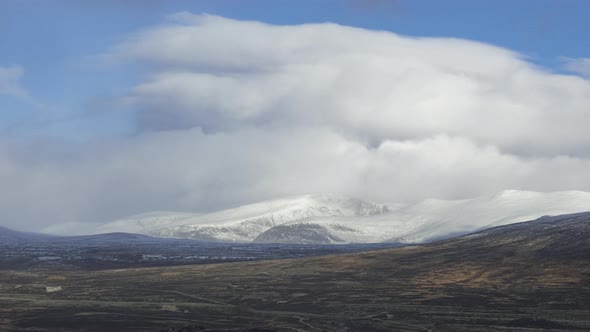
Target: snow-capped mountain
[245, 223]
[322, 218]
[431, 219]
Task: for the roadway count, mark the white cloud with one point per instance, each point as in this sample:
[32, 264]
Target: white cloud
[10, 82]
[189, 170]
[580, 66]
[236, 112]
[220, 73]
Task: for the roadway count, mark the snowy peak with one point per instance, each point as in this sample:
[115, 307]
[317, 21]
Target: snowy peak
[245, 223]
[300, 207]
[334, 205]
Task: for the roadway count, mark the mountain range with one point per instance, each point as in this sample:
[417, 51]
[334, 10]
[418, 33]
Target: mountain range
[334, 219]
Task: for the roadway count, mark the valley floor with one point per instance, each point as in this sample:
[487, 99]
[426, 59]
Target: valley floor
[329, 293]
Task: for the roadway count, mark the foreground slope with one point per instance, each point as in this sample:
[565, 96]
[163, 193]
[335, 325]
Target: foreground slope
[532, 276]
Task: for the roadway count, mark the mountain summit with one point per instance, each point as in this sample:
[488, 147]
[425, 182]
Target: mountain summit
[246, 223]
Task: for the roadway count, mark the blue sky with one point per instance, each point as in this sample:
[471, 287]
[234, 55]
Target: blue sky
[55, 43]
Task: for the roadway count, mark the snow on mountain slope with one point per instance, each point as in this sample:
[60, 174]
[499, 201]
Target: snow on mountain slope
[321, 218]
[442, 218]
[244, 224]
[431, 219]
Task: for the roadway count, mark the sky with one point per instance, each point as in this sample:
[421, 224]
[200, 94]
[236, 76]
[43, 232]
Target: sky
[111, 108]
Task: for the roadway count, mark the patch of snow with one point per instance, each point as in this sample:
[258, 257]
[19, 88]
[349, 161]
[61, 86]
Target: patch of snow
[53, 289]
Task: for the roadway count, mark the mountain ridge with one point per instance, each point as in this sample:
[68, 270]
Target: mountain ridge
[333, 219]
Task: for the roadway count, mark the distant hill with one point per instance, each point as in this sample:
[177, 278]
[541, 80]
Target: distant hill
[8, 236]
[11, 236]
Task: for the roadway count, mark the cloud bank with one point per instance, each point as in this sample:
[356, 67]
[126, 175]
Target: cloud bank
[238, 111]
